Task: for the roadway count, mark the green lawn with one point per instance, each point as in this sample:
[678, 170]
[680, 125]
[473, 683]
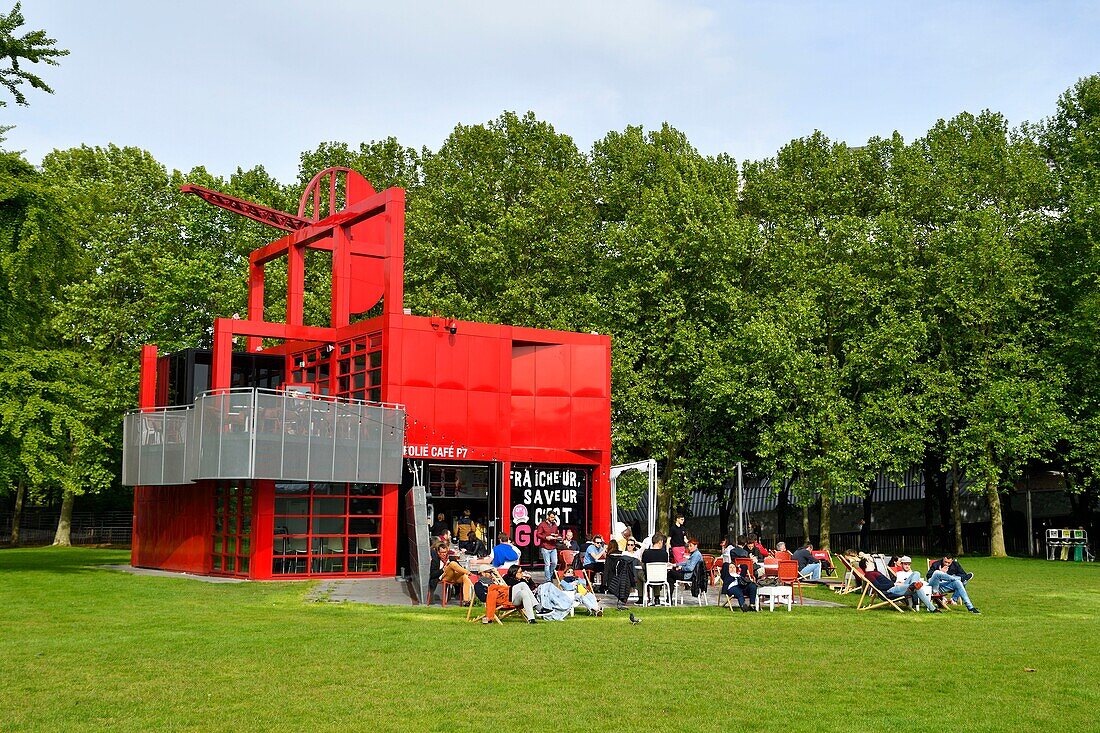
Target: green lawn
[90, 649]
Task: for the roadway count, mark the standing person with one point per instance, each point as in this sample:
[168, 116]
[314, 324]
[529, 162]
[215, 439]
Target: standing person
[465, 531]
[678, 539]
[547, 536]
[864, 535]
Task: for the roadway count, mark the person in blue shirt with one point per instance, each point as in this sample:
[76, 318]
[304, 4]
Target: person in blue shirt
[693, 560]
[505, 553]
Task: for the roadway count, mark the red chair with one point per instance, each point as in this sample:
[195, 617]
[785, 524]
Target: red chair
[745, 565]
[826, 560]
[788, 575]
[716, 571]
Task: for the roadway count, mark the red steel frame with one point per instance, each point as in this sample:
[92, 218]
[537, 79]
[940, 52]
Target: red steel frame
[473, 391]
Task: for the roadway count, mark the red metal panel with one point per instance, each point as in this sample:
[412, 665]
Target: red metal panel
[588, 423]
[588, 368]
[390, 508]
[418, 352]
[484, 425]
[552, 422]
[263, 530]
[451, 415]
[523, 420]
[523, 369]
[552, 371]
[452, 362]
[173, 527]
[295, 285]
[147, 399]
[484, 358]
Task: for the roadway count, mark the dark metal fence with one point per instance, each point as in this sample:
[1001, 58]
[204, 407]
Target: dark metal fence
[37, 527]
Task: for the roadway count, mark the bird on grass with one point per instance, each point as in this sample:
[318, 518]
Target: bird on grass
[634, 620]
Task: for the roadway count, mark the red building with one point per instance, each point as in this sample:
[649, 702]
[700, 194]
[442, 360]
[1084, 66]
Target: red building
[287, 459]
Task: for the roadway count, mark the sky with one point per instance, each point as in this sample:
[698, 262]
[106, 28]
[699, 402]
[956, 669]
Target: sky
[239, 83]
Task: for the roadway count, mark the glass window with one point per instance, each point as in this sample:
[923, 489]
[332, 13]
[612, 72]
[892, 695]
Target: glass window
[291, 505]
[364, 525]
[328, 525]
[365, 506]
[328, 506]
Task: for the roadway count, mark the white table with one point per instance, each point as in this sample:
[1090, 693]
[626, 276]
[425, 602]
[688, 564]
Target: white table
[782, 593]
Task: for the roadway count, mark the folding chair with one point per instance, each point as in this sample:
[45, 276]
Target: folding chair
[850, 584]
[743, 565]
[867, 597]
[828, 569]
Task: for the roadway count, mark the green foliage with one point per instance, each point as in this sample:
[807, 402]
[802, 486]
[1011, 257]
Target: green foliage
[33, 47]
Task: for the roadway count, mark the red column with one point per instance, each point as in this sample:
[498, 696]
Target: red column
[221, 369]
[147, 395]
[388, 565]
[393, 272]
[295, 284]
[263, 529]
[255, 300]
[341, 277]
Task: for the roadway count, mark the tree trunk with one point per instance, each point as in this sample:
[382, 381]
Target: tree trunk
[956, 511]
[783, 501]
[825, 528]
[805, 523]
[996, 521]
[65, 522]
[665, 493]
[724, 510]
[17, 515]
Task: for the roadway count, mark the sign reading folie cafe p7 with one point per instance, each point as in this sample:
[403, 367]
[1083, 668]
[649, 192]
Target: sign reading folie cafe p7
[537, 490]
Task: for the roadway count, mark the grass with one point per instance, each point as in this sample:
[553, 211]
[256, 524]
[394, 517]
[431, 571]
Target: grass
[90, 649]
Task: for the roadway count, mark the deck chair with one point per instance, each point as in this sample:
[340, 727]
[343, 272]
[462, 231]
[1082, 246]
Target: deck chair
[851, 583]
[867, 599]
[504, 609]
[744, 565]
[828, 568]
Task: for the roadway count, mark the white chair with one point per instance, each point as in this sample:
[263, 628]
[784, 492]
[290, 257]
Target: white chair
[686, 583]
[656, 576]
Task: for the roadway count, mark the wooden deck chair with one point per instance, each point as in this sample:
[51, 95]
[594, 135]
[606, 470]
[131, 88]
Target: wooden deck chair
[870, 592]
[851, 582]
[504, 610]
[828, 567]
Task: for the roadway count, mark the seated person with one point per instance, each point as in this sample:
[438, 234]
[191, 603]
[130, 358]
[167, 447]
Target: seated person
[505, 553]
[946, 581]
[441, 525]
[594, 556]
[522, 593]
[725, 545]
[693, 560]
[569, 540]
[738, 585]
[781, 552]
[948, 564]
[446, 569]
[655, 554]
[741, 550]
[633, 553]
[758, 550]
[808, 565]
[898, 590]
[570, 582]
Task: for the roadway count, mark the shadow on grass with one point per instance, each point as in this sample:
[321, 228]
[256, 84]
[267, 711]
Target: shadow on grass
[61, 560]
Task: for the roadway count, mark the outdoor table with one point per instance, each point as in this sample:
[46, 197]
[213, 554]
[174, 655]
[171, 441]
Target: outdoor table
[773, 592]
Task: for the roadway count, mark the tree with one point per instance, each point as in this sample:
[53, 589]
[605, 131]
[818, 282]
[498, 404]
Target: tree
[501, 228]
[34, 47]
[838, 326]
[672, 253]
[975, 194]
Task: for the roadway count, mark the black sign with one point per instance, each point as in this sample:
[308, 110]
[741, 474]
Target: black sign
[538, 490]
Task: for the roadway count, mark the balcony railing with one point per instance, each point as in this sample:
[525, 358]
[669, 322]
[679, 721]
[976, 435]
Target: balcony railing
[264, 434]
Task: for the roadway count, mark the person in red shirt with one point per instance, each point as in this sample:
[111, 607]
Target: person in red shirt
[547, 537]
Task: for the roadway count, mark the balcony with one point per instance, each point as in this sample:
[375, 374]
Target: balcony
[264, 434]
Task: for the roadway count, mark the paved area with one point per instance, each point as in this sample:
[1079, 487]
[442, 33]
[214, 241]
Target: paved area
[392, 592]
[168, 574]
